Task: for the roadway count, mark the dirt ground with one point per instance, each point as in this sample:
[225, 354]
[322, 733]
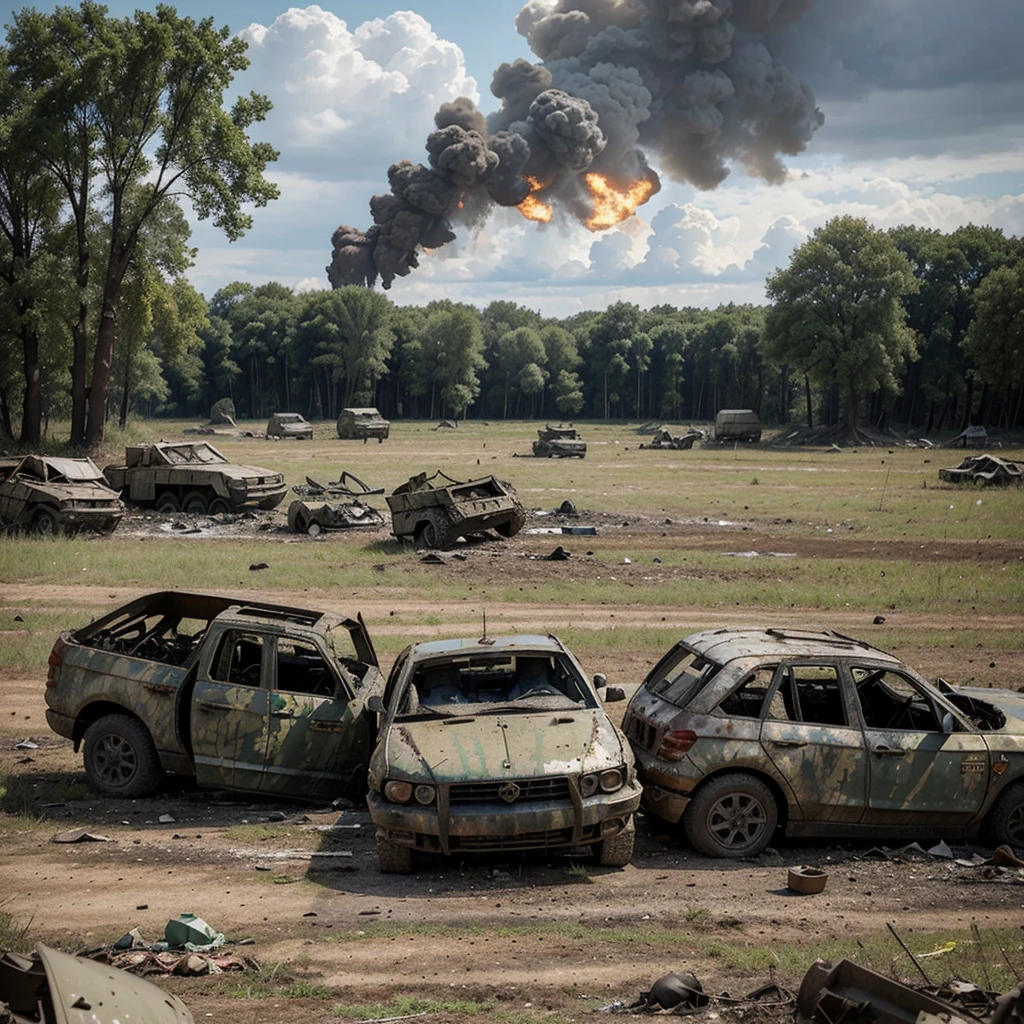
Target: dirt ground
[303, 885]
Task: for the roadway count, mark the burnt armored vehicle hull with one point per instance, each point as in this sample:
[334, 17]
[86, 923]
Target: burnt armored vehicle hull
[435, 511]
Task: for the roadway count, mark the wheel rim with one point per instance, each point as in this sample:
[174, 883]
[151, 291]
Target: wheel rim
[46, 526]
[313, 529]
[429, 535]
[737, 821]
[115, 760]
[219, 505]
[1015, 825]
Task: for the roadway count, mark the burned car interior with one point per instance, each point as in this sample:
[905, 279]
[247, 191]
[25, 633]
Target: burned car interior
[501, 682]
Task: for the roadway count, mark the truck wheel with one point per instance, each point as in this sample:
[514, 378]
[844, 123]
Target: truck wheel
[617, 851]
[168, 502]
[434, 532]
[1006, 819]
[120, 758]
[393, 859]
[219, 505]
[195, 501]
[46, 522]
[731, 816]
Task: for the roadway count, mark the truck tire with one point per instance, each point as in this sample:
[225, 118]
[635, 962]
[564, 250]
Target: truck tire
[195, 501]
[1006, 819]
[168, 502]
[120, 758]
[393, 859]
[731, 816]
[46, 522]
[219, 506]
[435, 532]
[617, 851]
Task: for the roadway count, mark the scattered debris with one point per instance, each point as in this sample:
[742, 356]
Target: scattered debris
[806, 880]
[258, 566]
[665, 439]
[26, 744]
[673, 990]
[969, 437]
[447, 425]
[80, 835]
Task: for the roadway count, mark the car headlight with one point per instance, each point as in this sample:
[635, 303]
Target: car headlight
[588, 785]
[398, 792]
[425, 794]
[612, 779]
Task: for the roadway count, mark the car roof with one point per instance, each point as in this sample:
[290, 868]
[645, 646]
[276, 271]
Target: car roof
[485, 645]
[723, 645]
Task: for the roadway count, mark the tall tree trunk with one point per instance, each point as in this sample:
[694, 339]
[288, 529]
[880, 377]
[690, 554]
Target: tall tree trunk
[123, 418]
[102, 361]
[6, 433]
[32, 407]
[79, 374]
[810, 404]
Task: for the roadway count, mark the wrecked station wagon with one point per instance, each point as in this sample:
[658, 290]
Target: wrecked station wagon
[739, 731]
[498, 744]
[236, 693]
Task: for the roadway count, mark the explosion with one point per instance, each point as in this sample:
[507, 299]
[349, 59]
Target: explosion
[692, 82]
[533, 208]
[611, 206]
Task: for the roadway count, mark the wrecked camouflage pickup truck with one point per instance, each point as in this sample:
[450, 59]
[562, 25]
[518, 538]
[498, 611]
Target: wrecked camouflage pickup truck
[238, 694]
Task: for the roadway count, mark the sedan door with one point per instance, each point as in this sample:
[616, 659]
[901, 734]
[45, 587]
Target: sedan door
[927, 766]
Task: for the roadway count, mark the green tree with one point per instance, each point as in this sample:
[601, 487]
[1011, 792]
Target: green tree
[453, 340]
[129, 113]
[837, 312]
[995, 340]
[521, 358]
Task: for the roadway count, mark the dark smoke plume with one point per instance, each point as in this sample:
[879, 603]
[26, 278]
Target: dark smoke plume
[693, 83]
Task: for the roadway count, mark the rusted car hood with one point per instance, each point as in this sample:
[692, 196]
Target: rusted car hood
[494, 746]
[1009, 702]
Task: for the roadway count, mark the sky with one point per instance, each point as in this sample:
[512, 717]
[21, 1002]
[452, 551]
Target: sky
[920, 104]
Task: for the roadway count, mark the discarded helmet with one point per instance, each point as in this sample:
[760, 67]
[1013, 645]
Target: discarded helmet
[672, 990]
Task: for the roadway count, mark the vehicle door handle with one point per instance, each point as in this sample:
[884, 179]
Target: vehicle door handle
[790, 743]
[889, 751]
[209, 705]
[284, 713]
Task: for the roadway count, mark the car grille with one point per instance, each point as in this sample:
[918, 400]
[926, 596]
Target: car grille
[554, 788]
[525, 840]
[642, 733]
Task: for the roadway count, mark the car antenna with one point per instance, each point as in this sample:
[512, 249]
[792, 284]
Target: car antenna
[485, 639]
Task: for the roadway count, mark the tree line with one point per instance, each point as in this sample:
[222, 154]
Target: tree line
[108, 124]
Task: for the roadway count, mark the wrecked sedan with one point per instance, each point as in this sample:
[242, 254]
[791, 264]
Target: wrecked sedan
[50, 495]
[498, 744]
[52, 987]
[738, 732]
[237, 693]
[289, 424]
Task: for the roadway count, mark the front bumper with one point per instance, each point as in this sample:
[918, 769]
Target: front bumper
[479, 826]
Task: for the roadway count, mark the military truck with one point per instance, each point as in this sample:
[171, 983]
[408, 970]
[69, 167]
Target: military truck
[435, 511]
[737, 425]
[236, 693]
[50, 495]
[193, 476]
[559, 443]
[354, 424]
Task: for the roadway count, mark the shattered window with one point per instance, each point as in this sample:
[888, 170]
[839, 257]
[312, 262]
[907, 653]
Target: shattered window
[239, 659]
[681, 675]
[815, 694]
[747, 700]
[301, 668]
[889, 700]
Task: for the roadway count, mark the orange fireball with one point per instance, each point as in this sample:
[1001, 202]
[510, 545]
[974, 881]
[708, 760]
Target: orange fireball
[533, 208]
[611, 206]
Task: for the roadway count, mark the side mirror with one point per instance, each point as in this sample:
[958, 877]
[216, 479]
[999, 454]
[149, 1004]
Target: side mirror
[376, 703]
[614, 694]
[600, 680]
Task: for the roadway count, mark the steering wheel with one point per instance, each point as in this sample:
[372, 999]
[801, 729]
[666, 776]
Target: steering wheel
[250, 675]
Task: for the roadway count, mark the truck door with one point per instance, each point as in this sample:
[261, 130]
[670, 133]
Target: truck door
[318, 736]
[229, 725]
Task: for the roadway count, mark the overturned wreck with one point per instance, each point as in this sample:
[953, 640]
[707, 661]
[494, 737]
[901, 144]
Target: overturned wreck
[333, 506]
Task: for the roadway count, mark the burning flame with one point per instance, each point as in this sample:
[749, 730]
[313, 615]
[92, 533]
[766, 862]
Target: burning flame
[612, 206]
[533, 208]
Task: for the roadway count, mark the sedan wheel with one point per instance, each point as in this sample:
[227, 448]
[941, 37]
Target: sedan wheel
[731, 816]
[46, 522]
[1006, 821]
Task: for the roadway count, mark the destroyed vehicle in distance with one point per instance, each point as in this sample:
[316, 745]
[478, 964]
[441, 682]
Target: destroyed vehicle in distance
[333, 506]
[983, 469]
[665, 439]
[236, 693]
[739, 732]
[737, 425]
[354, 424]
[436, 511]
[50, 495]
[498, 744]
[289, 424]
[52, 987]
[559, 443]
[193, 476]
